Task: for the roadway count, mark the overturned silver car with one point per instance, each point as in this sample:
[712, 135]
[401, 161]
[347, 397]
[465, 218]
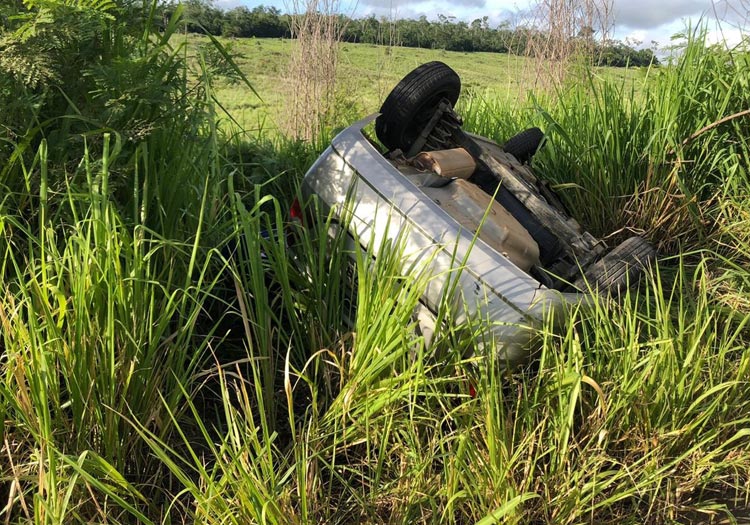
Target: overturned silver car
[457, 199]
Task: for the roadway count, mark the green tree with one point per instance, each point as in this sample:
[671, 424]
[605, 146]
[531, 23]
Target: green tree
[202, 17]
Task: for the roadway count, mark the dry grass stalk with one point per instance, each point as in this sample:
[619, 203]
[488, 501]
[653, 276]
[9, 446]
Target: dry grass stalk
[311, 78]
[662, 212]
[562, 34]
[732, 16]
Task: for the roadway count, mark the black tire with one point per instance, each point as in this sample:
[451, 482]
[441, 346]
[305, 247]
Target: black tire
[412, 103]
[620, 268]
[525, 144]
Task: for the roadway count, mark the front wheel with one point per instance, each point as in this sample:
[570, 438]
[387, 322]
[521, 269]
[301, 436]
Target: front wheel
[413, 102]
[524, 145]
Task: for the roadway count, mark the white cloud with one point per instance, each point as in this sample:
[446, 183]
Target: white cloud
[731, 36]
[732, 12]
[636, 36]
[229, 4]
[465, 10]
[650, 14]
[421, 4]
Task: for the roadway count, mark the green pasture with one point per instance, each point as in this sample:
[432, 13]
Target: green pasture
[368, 72]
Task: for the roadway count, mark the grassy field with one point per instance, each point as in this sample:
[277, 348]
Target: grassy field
[169, 355]
[366, 75]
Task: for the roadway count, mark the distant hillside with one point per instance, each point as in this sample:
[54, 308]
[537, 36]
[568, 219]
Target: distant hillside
[443, 33]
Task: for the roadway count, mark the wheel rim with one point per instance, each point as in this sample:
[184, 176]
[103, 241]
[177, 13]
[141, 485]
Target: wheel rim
[421, 117]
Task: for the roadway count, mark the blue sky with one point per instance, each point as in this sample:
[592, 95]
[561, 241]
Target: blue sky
[640, 20]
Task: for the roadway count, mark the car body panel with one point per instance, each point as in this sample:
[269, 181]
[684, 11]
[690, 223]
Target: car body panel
[354, 179]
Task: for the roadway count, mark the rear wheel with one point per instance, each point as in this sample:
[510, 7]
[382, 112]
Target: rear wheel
[620, 268]
[413, 102]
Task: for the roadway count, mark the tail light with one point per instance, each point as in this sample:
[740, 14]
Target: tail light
[295, 212]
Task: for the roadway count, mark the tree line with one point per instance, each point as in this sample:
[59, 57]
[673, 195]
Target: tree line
[443, 33]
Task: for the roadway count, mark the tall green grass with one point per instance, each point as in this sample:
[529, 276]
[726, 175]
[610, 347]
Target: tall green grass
[97, 333]
[637, 412]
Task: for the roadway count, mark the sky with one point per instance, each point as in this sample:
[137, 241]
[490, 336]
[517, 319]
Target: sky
[640, 22]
